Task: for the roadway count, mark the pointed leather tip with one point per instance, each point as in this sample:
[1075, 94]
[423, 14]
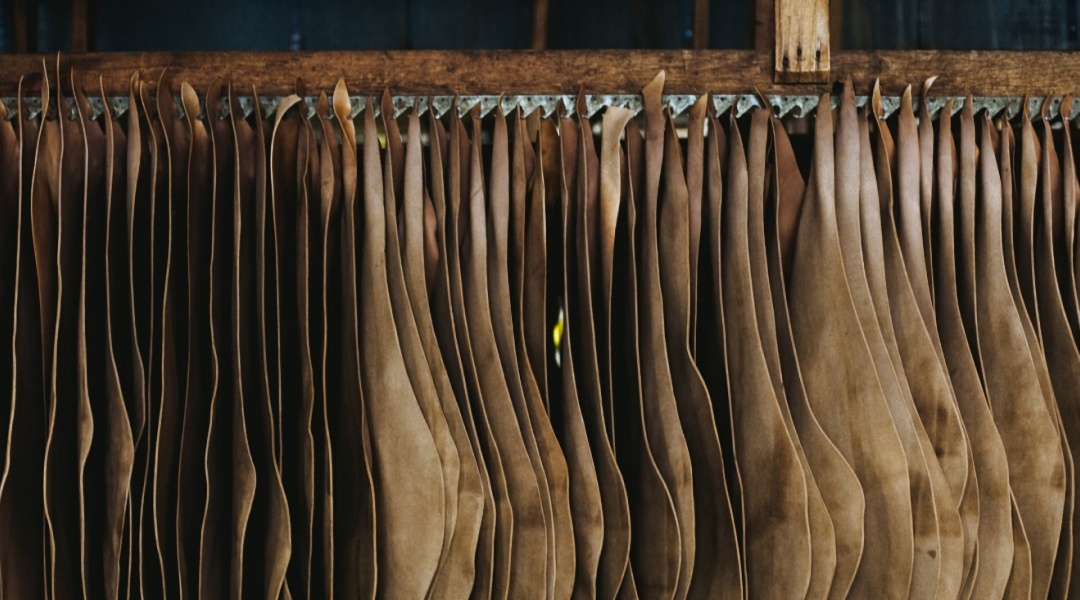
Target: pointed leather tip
[1045, 111]
[342, 106]
[824, 104]
[284, 105]
[323, 105]
[386, 105]
[905, 101]
[847, 96]
[453, 110]
[926, 85]
[700, 106]
[764, 101]
[189, 99]
[213, 100]
[875, 100]
[369, 110]
[580, 104]
[656, 86]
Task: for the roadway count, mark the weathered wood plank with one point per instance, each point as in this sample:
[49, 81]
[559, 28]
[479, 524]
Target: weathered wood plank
[985, 73]
[802, 41]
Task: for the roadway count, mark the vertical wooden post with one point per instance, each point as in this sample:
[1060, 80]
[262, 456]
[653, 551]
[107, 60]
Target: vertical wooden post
[802, 41]
[836, 24]
[23, 24]
[80, 26]
[540, 24]
[763, 13]
[701, 25]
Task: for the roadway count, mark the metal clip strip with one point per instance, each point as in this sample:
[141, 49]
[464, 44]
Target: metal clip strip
[782, 105]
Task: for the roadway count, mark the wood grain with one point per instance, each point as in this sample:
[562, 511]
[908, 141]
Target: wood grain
[802, 41]
[997, 73]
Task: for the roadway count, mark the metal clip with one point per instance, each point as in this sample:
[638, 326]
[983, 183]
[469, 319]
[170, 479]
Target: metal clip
[782, 105]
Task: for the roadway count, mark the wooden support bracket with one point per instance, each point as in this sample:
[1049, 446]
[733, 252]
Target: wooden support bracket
[802, 41]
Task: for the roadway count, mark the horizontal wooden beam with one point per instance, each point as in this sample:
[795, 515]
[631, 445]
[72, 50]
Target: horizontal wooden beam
[982, 73]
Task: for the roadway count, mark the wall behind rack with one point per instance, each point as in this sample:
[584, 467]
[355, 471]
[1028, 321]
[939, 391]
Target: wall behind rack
[217, 25]
[128, 25]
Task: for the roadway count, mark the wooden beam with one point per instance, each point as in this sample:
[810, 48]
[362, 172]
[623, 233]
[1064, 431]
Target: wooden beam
[802, 41]
[989, 73]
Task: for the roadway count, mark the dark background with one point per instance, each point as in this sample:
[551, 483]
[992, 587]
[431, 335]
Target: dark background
[128, 25]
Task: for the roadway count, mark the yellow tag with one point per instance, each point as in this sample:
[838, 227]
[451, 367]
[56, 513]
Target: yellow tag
[557, 335]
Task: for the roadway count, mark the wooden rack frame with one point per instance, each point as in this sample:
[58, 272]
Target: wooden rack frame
[794, 56]
[981, 73]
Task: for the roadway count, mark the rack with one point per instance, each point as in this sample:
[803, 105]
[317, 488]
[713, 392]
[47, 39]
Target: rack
[555, 72]
[794, 62]
[998, 80]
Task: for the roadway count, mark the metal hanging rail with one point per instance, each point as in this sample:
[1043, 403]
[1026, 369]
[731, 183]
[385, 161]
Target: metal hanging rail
[797, 106]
